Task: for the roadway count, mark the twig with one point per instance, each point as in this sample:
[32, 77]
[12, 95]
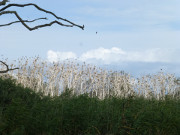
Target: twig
[20, 21]
[5, 71]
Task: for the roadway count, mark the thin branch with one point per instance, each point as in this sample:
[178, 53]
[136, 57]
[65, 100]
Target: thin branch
[20, 21]
[36, 27]
[7, 68]
[43, 10]
[49, 24]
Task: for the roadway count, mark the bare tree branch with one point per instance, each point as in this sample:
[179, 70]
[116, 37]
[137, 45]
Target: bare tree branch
[7, 68]
[36, 27]
[23, 21]
[20, 20]
[2, 11]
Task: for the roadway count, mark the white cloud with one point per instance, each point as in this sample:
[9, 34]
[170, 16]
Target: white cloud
[151, 55]
[116, 55]
[58, 56]
[103, 54]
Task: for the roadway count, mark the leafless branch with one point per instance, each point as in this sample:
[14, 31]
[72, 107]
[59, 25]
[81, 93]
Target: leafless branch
[7, 68]
[2, 11]
[20, 21]
[36, 27]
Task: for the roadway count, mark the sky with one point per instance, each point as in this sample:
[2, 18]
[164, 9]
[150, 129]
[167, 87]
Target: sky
[137, 36]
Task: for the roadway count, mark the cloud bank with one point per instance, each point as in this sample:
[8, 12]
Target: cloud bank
[116, 55]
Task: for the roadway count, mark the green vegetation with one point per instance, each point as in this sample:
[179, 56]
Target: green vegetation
[24, 112]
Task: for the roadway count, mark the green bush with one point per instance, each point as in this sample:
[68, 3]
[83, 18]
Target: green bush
[24, 112]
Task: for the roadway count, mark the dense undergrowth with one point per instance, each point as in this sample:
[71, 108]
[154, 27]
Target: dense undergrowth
[24, 112]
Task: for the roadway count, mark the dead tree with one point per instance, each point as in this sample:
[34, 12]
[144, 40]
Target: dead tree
[5, 10]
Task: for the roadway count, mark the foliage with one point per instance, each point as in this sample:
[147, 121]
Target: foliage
[24, 112]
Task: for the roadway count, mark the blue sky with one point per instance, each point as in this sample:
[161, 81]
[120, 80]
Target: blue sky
[129, 31]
